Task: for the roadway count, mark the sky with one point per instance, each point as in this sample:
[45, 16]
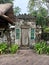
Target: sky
[22, 4]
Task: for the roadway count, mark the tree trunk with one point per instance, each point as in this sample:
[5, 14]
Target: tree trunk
[8, 37]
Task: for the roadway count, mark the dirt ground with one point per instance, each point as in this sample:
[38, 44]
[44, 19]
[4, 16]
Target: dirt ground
[24, 57]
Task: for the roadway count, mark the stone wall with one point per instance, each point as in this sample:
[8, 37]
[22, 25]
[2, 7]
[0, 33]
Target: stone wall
[29, 25]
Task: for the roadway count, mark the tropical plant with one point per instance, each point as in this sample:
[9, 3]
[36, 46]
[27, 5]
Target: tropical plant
[47, 50]
[3, 47]
[46, 29]
[14, 48]
[40, 47]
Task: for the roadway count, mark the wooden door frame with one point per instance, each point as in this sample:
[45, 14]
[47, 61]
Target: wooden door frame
[21, 37]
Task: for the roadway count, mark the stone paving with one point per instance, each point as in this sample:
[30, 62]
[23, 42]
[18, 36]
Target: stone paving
[24, 57]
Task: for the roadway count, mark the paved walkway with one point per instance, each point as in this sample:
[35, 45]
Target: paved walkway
[24, 57]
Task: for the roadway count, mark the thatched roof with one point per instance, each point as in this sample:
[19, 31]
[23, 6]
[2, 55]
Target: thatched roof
[4, 8]
[6, 18]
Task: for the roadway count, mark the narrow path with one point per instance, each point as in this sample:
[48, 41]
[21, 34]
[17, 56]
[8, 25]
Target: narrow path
[24, 57]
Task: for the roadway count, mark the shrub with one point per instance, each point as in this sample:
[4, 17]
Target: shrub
[40, 47]
[14, 48]
[46, 29]
[47, 50]
[3, 47]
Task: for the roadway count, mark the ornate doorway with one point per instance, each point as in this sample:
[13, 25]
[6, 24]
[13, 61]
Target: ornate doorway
[25, 37]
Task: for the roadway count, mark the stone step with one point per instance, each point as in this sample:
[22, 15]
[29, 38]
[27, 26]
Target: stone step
[24, 48]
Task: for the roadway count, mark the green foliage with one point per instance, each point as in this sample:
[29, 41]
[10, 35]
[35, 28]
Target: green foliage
[48, 19]
[6, 1]
[31, 5]
[47, 50]
[17, 10]
[40, 47]
[40, 20]
[41, 17]
[42, 12]
[35, 5]
[46, 29]
[34, 13]
[36, 9]
[46, 1]
[14, 48]
[3, 47]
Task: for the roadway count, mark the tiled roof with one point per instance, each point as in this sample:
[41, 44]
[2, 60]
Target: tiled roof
[25, 16]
